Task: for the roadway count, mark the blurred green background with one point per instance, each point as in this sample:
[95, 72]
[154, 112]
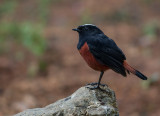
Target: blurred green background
[39, 61]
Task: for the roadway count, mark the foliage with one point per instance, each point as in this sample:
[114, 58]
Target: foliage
[151, 28]
[7, 7]
[26, 34]
[43, 9]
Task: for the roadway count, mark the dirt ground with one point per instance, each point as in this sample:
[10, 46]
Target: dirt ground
[30, 81]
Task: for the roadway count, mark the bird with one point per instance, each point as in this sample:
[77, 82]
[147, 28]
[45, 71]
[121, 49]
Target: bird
[101, 53]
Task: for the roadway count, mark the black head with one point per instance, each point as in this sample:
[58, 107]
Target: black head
[88, 29]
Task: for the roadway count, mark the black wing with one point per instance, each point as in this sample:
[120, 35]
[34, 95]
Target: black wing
[108, 53]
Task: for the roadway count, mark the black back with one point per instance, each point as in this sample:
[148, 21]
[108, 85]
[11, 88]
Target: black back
[102, 47]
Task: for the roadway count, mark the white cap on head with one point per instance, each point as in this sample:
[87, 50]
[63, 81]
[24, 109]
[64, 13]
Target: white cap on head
[89, 24]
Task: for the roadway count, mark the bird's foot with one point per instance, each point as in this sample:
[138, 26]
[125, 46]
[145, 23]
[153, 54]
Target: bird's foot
[95, 87]
[97, 84]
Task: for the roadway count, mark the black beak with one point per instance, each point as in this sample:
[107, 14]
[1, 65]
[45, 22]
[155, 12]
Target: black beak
[75, 30]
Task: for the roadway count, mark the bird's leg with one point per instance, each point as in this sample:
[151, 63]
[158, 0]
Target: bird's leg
[99, 82]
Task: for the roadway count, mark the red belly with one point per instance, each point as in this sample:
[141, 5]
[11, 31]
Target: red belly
[89, 58]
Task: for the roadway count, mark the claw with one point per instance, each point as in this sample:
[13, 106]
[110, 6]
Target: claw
[95, 87]
[92, 84]
[97, 84]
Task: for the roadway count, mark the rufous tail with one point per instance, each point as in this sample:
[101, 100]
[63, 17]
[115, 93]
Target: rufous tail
[134, 71]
